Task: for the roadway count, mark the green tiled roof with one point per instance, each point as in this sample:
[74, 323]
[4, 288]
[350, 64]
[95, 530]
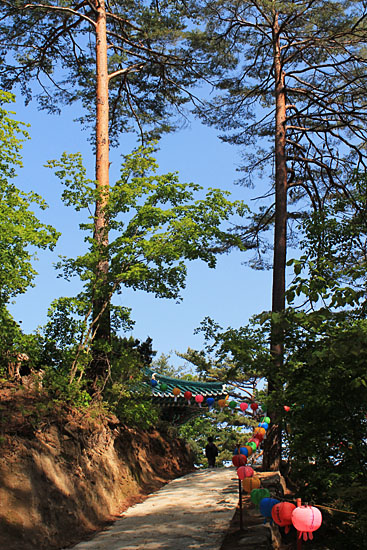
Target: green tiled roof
[206, 389]
[179, 411]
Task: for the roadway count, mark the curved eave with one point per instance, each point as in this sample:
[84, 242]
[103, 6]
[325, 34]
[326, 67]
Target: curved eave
[206, 389]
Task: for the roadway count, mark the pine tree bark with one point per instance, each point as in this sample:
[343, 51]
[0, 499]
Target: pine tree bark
[272, 447]
[101, 311]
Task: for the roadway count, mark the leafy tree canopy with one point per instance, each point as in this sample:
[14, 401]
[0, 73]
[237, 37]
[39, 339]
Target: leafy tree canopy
[20, 229]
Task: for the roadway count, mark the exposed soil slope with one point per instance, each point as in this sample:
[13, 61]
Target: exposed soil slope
[64, 475]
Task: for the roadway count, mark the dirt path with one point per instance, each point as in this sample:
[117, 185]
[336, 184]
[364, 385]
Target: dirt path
[189, 513]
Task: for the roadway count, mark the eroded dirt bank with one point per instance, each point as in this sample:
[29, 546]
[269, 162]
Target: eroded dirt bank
[65, 475]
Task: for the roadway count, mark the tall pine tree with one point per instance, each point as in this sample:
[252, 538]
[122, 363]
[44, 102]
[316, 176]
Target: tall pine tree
[123, 61]
[292, 89]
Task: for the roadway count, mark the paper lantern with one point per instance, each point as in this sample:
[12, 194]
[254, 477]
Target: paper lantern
[264, 425]
[244, 471]
[239, 460]
[199, 399]
[210, 402]
[252, 445]
[266, 419]
[306, 519]
[232, 405]
[251, 483]
[266, 505]
[244, 451]
[282, 514]
[163, 386]
[187, 396]
[261, 432]
[250, 450]
[254, 406]
[258, 494]
[153, 383]
[176, 392]
[259, 437]
[243, 406]
[222, 403]
[286, 408]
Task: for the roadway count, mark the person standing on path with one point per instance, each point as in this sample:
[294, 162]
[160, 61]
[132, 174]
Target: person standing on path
[211, 452]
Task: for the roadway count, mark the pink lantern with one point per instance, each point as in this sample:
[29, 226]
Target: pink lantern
[306, 519]
[254, 406]
[282, 514]
[245, 471]
[187, 396]
[199, 399]
[239, 460]
[243, 406]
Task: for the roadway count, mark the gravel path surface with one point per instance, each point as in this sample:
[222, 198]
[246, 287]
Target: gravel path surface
[189, 513]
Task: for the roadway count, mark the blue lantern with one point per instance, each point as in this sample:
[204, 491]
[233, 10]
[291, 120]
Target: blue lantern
[266, 505]
[243, 451]
[210, 402]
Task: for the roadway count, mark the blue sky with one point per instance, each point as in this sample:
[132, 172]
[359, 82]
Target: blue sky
[230, 294]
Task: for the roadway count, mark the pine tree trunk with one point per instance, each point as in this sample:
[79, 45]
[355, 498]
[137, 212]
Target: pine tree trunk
[272, 448]
[101, 310]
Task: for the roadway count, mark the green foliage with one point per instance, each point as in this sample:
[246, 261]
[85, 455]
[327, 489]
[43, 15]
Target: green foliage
[57, 384]
[316, 46]
[156, 222]
[146, 61]
[21, 231]
[156, 225]
[227, 430]
[124, 395]
[163, 366]
[332, 268]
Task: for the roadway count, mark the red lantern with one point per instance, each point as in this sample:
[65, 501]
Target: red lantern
[282, 514]
[286, 408]
[306, 519]
[254, 406]
[239, 460]
[187, 396]
[241, 472]
[243, 406]
[258, 434]
[199, 399]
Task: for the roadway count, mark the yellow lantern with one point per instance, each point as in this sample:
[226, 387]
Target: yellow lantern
[250, 483]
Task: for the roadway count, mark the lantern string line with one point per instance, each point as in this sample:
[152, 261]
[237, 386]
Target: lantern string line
[319, 506]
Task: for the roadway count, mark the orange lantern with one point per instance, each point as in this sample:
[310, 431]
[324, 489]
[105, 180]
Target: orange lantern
[250, 483]
[176, 392]
[249, 449]
[222, 403]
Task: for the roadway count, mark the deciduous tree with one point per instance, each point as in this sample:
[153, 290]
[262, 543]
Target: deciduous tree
[121, 60]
